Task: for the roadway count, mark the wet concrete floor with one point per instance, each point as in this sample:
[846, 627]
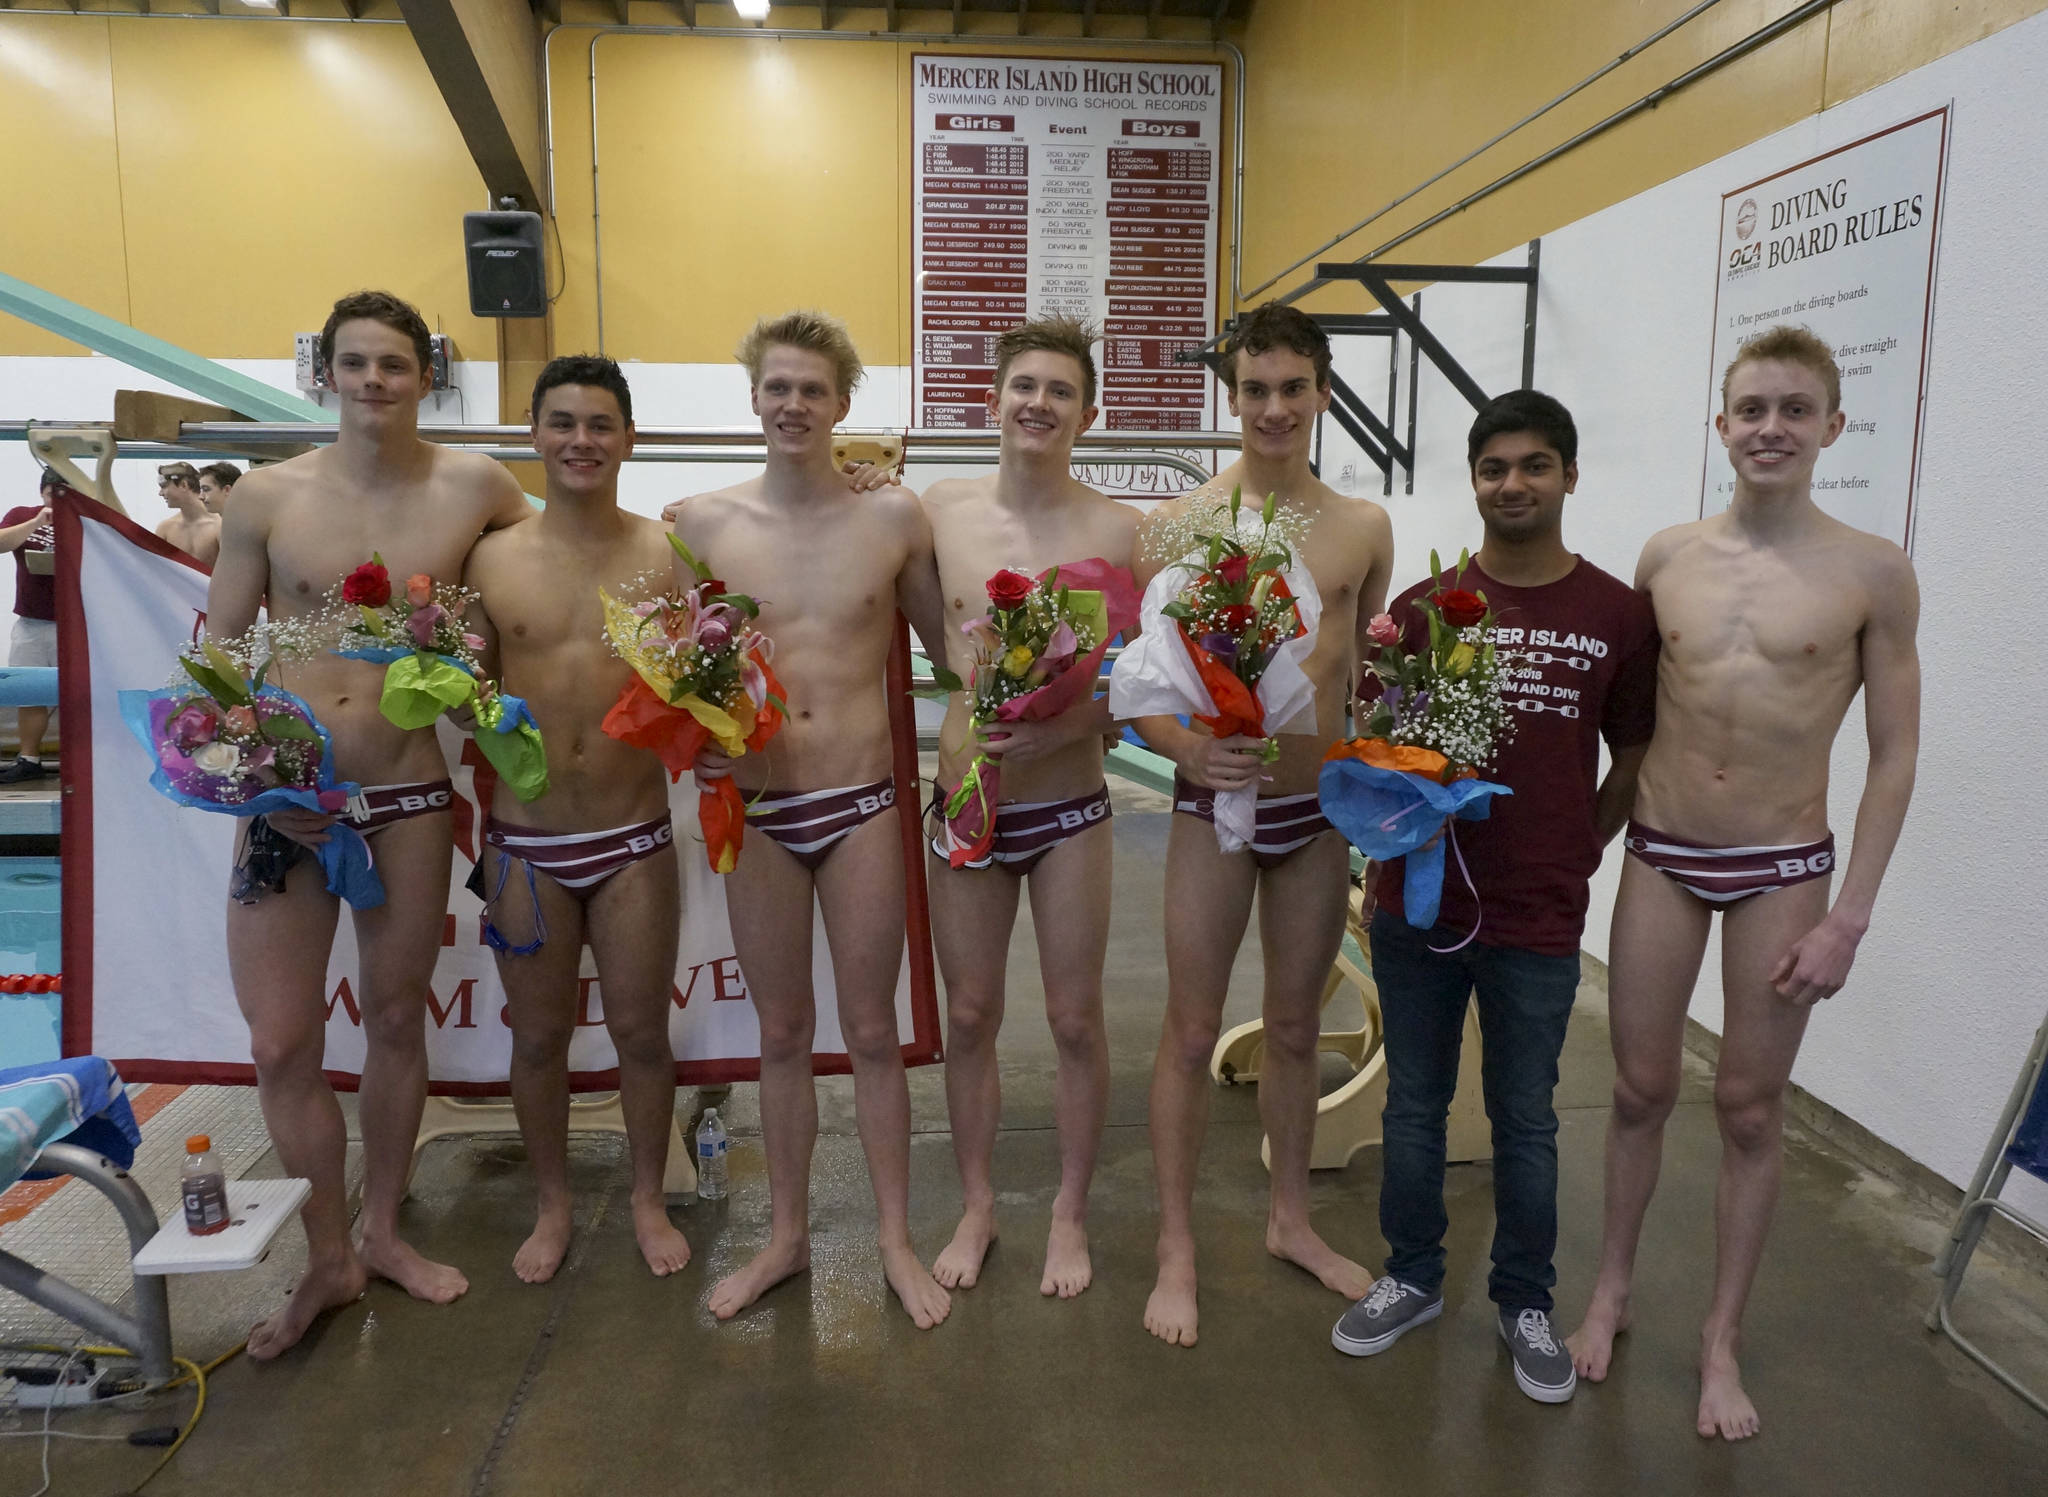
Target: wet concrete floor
[608, 1380]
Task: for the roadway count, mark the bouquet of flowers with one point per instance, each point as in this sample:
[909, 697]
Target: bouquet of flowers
[1225, 646]
[700, 675]
[432, 667]
[223, 739]
[1037, 652]
[1395, 789]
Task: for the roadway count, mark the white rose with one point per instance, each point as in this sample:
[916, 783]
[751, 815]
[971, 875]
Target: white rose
[218, 758]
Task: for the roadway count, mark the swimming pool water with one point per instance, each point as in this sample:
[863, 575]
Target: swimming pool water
[30, 941]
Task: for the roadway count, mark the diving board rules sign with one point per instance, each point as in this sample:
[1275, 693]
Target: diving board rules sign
[1845, 244]
[1083, 186]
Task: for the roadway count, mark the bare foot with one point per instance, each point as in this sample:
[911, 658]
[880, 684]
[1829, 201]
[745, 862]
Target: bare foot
[1304, 1249]
[927, 1303]
[1170, 1312]
[959, 1266]
[664, 1248]
[1067, 1268]
[1725, 1410]
[318, 1292]
[542, 1253]
[1592, 1344]
[766, 1269]
[422, 1278]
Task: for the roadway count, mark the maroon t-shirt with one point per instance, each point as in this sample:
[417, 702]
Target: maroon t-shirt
[1588, 670]
[35, 596]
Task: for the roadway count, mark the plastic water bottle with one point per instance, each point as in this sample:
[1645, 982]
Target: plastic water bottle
[204, 1188]
[711, 1142]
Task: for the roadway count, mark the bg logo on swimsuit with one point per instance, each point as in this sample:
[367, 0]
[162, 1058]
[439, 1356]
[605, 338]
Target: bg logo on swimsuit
[874, 805]
[1819, 862]
[641, 844]
[1088, 815]
[433, 800]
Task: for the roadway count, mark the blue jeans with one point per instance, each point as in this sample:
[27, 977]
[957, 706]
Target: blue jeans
[1525, 1000]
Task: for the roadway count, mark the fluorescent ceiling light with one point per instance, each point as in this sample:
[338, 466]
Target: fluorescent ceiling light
[751, 10]
[261, 4]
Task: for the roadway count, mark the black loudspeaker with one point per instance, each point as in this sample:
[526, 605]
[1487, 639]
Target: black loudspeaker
[508, 274]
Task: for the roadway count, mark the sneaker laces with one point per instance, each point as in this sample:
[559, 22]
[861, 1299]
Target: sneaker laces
[1385, 1295]
[1533, 1326]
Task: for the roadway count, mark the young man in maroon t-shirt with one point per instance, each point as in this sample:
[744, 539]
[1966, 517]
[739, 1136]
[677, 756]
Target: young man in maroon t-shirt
[1585, 669]
[25, 530]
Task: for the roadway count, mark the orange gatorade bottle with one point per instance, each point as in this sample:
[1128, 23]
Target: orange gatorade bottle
[204, 1188]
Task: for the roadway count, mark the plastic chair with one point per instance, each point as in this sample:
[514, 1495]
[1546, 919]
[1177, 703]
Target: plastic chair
[2021, 1140]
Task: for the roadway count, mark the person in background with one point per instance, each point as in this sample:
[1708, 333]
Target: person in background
[216, 481]
[26, 531]
[194, 529]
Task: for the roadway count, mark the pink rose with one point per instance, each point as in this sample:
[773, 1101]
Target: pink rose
[422, 622]
[1383, 630]
[419, 589]
[241, 720]
[195, 725]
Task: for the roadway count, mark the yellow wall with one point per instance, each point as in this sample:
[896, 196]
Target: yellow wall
[219, 183]
[1350, 104]
[740, 177]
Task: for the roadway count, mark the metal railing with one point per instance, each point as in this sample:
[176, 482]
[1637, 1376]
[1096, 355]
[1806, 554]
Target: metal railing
[679, 444]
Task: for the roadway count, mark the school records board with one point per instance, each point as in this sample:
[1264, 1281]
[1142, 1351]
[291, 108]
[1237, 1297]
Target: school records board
[1085, 186]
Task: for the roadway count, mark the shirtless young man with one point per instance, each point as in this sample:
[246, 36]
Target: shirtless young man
[194, 529]
[1278, 372]
[593, 858]
[216, 482]
[830, 568]
[1772, 614]
[1052, 828]
[294, 531]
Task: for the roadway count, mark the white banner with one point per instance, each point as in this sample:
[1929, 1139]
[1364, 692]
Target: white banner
[145, 884]
[1844, 243]
[1079, 185]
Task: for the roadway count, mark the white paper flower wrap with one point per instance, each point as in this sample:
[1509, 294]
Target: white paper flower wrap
[1156, 677]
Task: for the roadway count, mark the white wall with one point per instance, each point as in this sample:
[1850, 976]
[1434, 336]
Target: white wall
[1923, 1045]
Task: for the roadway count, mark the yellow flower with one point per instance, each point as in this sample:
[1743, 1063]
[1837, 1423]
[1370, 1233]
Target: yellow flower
[1016, 661]
[1461, 659]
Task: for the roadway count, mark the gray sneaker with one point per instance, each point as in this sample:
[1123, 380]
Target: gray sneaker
[1543, 1367]
[1386, 1314]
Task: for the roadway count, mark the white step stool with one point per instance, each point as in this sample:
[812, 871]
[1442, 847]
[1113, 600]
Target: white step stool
[256, 1209]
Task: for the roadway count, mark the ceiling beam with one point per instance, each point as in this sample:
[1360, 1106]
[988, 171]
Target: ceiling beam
[1216, 20]
[1087, 17]
[551, 11]
[485, 58]
[889, 14]
[824, 15]
[687, 9]
[1152, 19]
[956, 17]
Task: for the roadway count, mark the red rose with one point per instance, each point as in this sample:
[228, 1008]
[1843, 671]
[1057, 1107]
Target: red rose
[369, 586]
[1008, 589]
[1460, 609]
[1237, 618]
[1232, 570]
[711, 587]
